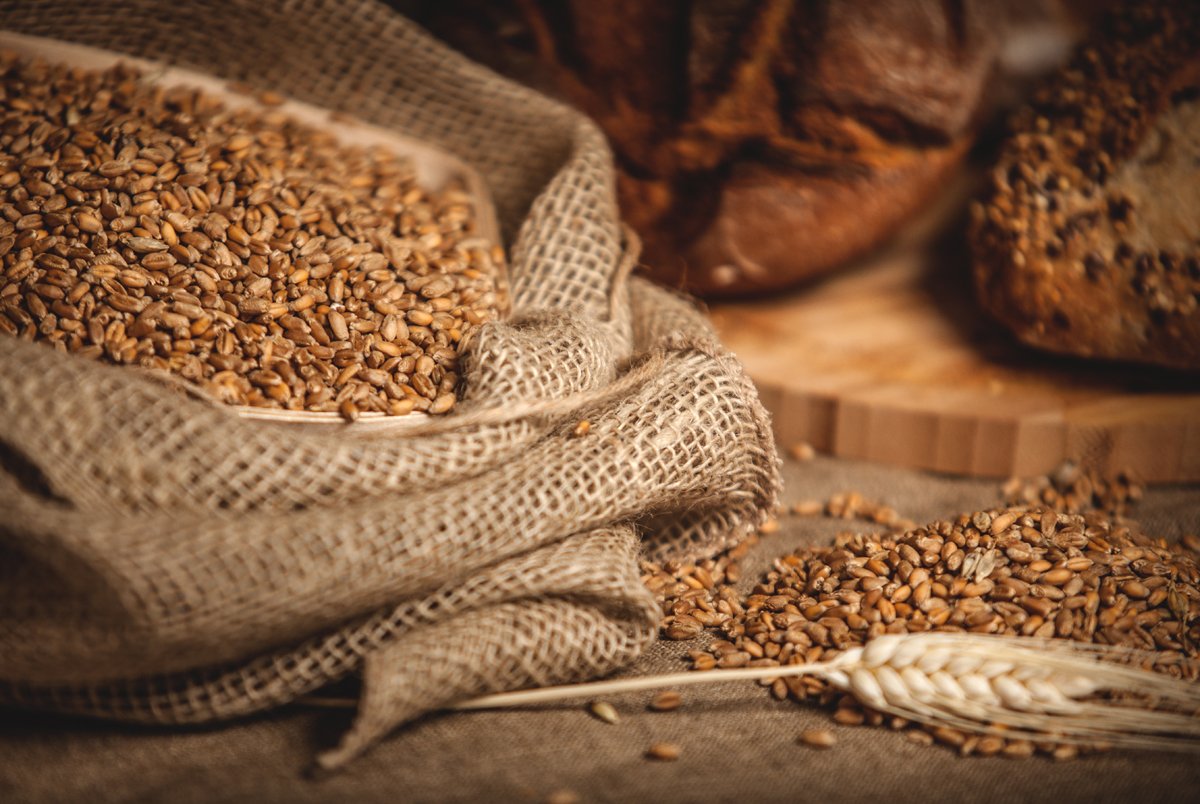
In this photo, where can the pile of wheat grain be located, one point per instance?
(251, 255)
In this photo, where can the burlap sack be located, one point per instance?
(162, 560)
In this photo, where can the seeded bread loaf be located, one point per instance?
(1087, 239)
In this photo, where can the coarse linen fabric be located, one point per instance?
(738, 743)
(164, 561)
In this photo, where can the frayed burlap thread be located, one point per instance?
(164, 560)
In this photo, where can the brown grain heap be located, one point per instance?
(1087, 238)
(235, 248)
(1074, 489)
(695, 596)
(1015, 571)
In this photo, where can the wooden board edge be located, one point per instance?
(1161, 445)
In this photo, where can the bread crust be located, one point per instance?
(775, 226)
(1087, 238)
(761, 142)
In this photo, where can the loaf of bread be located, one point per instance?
(1087, 238)
(761, 142)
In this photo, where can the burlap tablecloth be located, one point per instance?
(738, 743)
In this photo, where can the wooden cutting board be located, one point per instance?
(891, 361)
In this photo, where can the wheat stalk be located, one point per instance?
(1009, 686)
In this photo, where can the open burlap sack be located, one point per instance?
(162, 560)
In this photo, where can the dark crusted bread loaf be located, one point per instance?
(763, 141)
(1087, 239)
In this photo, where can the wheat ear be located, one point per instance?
(1009, 686)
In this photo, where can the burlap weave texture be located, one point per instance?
(163, 560)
